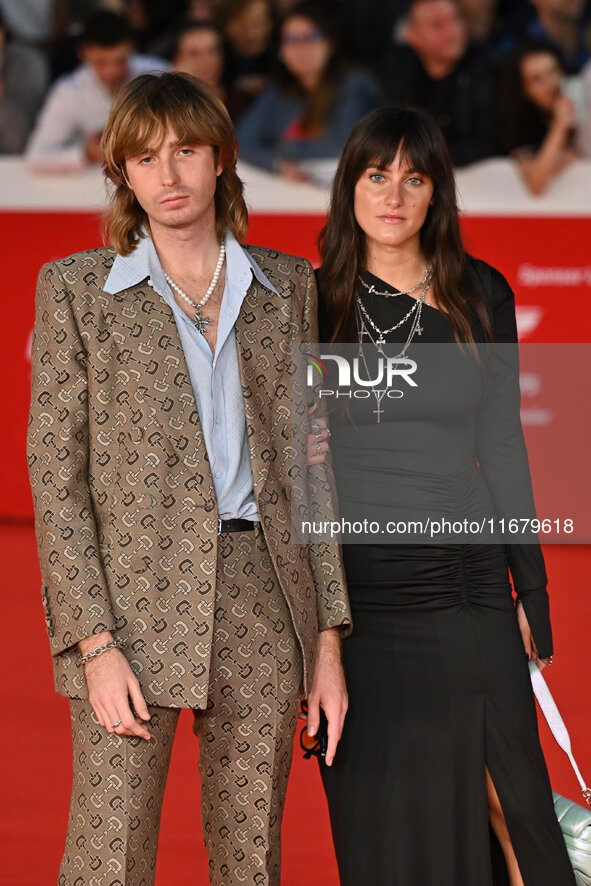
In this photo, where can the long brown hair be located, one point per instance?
(317, 102)
(521, 122)
(140, 113)
(375, 141)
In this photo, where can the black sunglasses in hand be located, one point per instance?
(314, 745)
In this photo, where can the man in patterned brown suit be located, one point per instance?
(160, 456)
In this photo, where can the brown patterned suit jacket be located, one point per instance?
(125, 507)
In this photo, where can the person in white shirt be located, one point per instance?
(24, 74)
(30, 21)
(67, 134)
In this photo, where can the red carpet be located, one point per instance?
(35, 739)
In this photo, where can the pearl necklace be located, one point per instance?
(199, 320)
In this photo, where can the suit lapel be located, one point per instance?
(144, 329)
(262, 340)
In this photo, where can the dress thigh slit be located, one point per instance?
(439, 691)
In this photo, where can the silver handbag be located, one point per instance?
(574, 819)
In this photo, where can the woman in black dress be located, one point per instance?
(440, 766)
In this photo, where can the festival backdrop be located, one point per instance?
(546, 260)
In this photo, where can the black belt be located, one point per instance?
(238, 525)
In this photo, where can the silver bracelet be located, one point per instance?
(112, 644)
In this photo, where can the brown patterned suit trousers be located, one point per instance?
(245, 746)
(126, 522)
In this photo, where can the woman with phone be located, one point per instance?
(440, 748)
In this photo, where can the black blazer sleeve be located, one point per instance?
(502, 453)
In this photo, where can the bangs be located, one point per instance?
(146, 130)
(145, 133)
(390, 132)
(151, 104)
(411, 155)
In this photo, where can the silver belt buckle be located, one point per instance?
(219, 525)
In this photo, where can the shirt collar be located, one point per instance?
(143, 263)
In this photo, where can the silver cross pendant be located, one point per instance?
(200, 322)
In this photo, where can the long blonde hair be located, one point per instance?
(140, 113)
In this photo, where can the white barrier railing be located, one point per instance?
(490, 188)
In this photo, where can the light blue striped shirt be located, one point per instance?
(215, 378)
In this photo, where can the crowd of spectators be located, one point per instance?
(502, 77)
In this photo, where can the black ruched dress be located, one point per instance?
(437, 675)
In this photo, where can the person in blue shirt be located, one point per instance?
(315, 102)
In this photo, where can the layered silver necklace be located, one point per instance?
(365, 323)
(199, 320)
(387, 294)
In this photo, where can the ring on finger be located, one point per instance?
(317, 445)
(116, 723)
